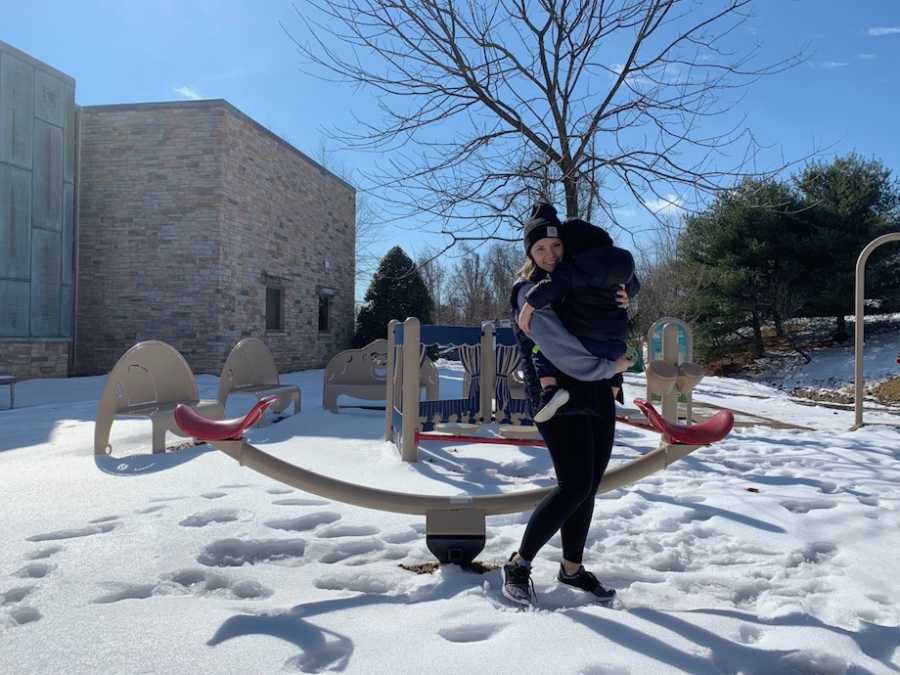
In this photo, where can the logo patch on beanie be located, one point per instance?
(551, 231)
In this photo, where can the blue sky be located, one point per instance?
(846, 97)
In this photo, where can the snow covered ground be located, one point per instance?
(775, 551)
(833, 368)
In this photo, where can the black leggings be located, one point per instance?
(580, 446)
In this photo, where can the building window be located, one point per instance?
(324, 313)
(274, 314)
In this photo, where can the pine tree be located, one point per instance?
(396, 292)
(745, 248)
(850, 202)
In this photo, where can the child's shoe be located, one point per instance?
(552, 399)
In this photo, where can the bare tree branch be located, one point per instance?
(485, 106)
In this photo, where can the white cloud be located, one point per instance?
(834, 64)
(878, 31)
(866, 57)
(187, 92)
(668, 204)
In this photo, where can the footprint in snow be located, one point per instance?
(304, 523)
(197, 582)
(151, 509)
(807, 505)
(237, 552)
(215, 516)
(43, 552)
(214, 495)
(19, 616)
(97, 528)
(15, 595)
(334, 552)
(35, 570)
(471, 633)
(347, 531)
(279, 491)
(299, 501)
(814, 553)
(604, 669)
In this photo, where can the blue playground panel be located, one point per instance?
(656, 343)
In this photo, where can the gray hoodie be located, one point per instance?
(564, 350)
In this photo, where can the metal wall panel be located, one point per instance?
(13, 309)
(49, 98)
(16, 110)
(68, 232)
(15, 222)
(45, 287)
(67, 307)
(69, 132)
(46, 210)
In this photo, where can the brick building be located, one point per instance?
(197, 226)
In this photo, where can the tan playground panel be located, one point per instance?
(250, 369)
(149, 380)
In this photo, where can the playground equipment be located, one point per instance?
(454, 525)
(671, 372)
(149, 380)
(362, 373)
(490, 356)
(250, 369)
(859, 330)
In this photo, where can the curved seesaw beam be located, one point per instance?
(454, 525)
(227, 436)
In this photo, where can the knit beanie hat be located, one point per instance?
(543, 222)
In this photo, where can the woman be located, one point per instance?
(579, 436)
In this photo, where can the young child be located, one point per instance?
(583, 289)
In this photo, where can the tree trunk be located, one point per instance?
(840, 331)
(571, 187)
(779, 323)
(757, 335)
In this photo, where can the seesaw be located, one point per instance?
(455, 524)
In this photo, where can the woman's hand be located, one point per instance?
(622, 297)
(524, 318)
(623, 363)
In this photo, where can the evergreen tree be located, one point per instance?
(396, 292)
(849, 203)
(744, 249)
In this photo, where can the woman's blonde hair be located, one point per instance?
(527, 269)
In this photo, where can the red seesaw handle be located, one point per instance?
(202, 428)
(714, 429)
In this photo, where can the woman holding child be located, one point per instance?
(571, 324)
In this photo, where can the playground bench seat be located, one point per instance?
(10, 381)
(360, 373)
(150, 380)
(250, 369)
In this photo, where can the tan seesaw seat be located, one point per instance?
(149, 380)
(250, 369)
(360, 373)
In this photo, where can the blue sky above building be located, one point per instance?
(843, 98)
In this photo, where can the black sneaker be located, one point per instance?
(517, 584)
(552, 399)
(587, 582)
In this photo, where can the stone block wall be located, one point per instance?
(188, 212)
(150, 235)
(27, 360)
(287, 224)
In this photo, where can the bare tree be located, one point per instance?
(368, 233)
(666, 284)
(485, 105)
